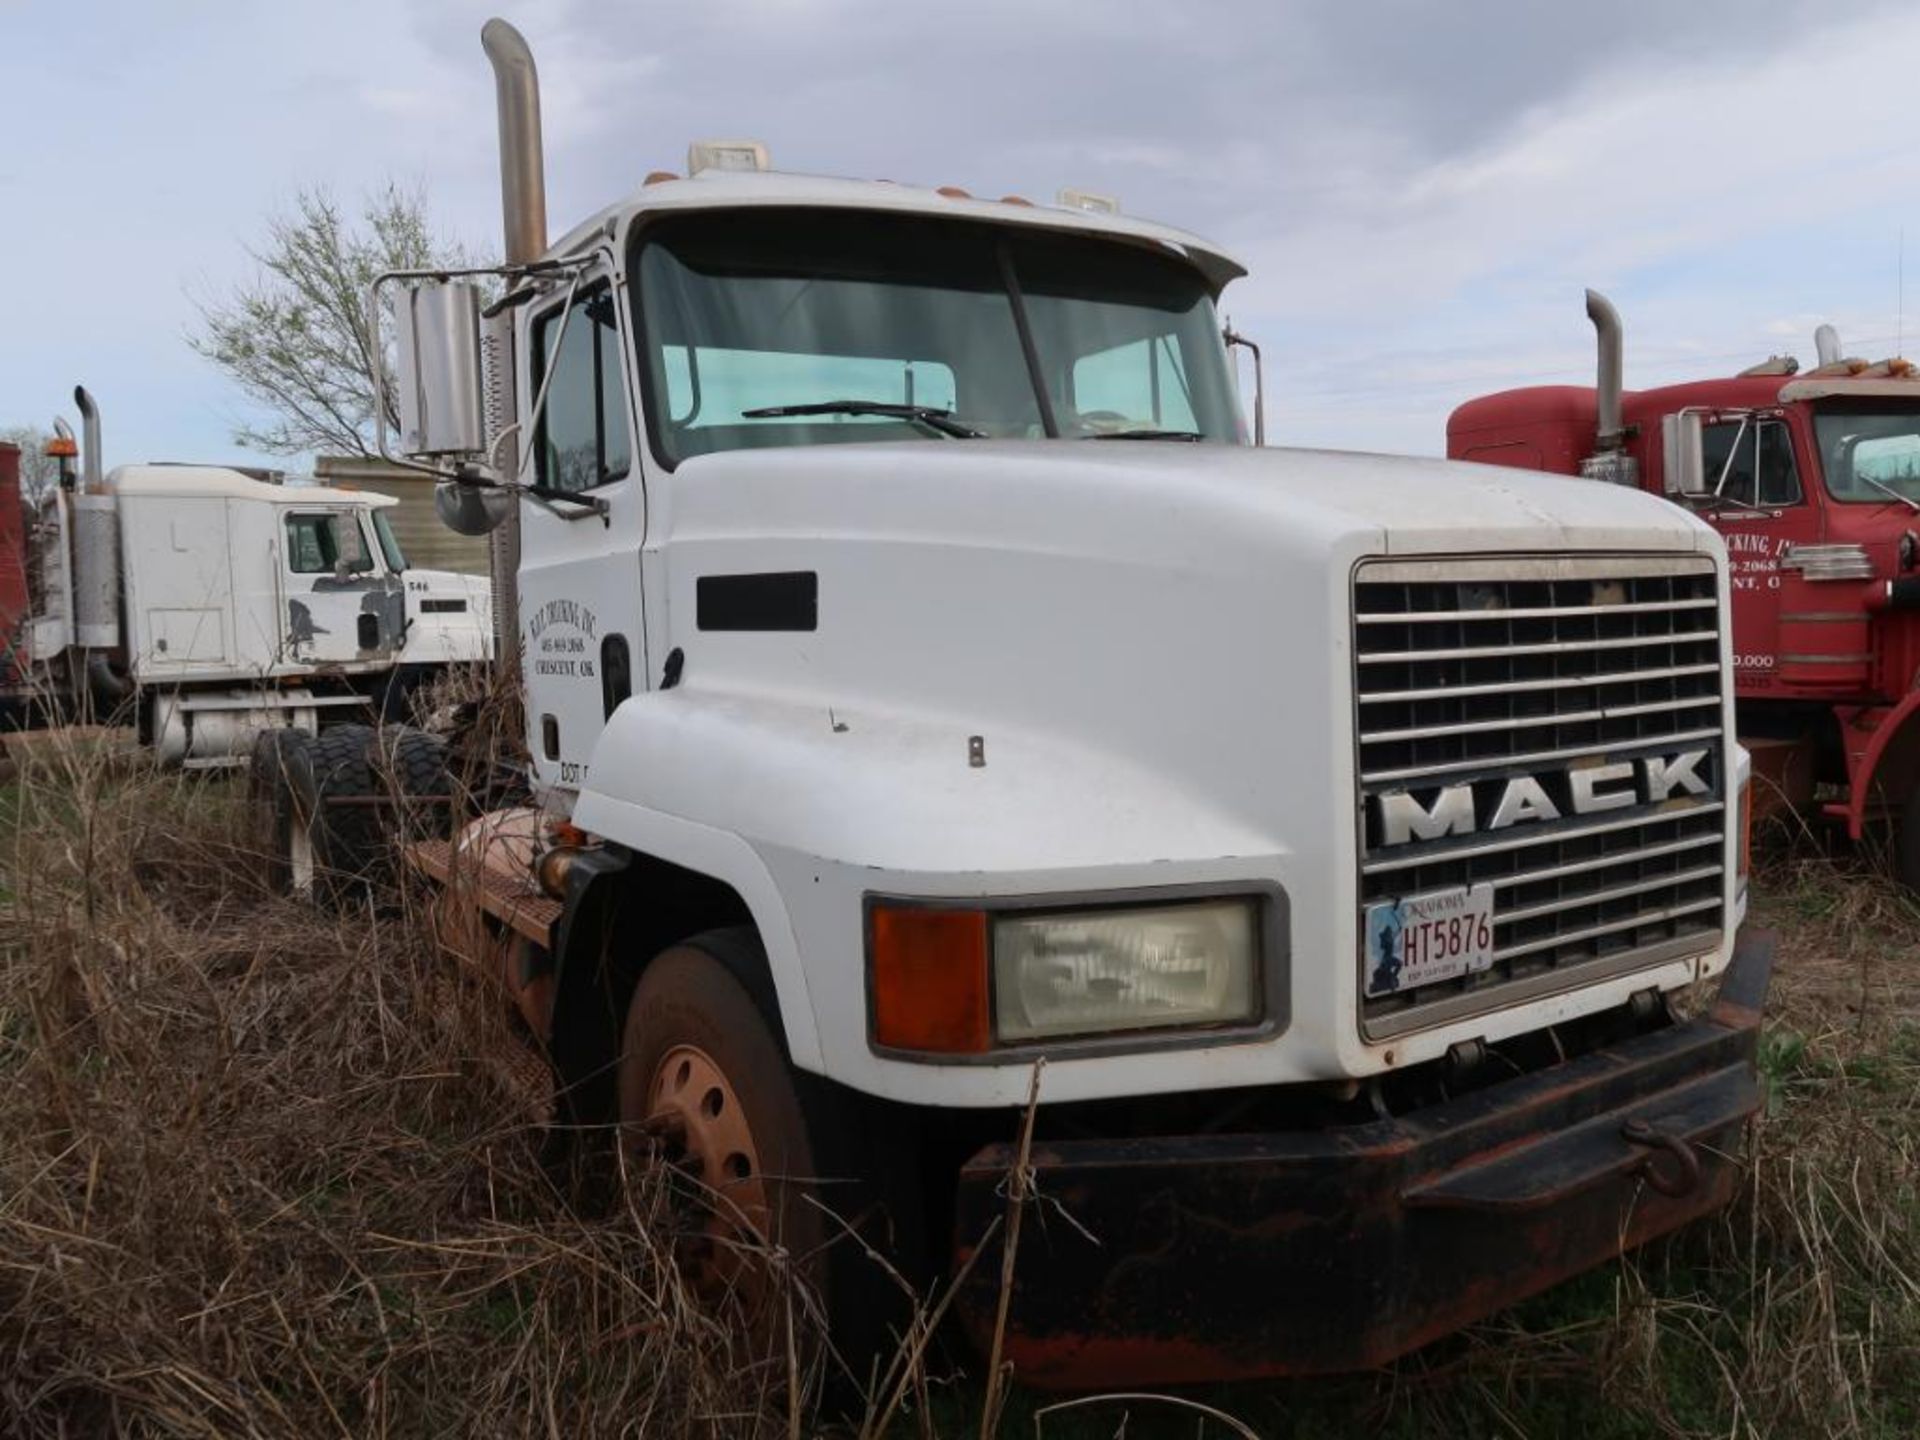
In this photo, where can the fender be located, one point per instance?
(582, 1031)
(1867, 732)
(729, 859)
(803, 810)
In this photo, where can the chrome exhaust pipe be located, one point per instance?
(523, 210)
(1610, 433)
(523, 176)
(92, 472)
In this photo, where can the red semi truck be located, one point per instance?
(1813, 480)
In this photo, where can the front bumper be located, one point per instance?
(1223, 1257)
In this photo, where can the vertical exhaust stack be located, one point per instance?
(1610, 433)
(93, 473)
(523, 208)
(523, 180)
(1826, 346)
(1610, 461)
(94, 556)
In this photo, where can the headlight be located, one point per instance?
(1101, 971)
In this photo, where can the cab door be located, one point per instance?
(340, 607)
(1750, 465)
(580, 608)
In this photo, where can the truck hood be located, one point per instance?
(451, 583)
(1170, 622)
(1171, 494)
(1085, 671)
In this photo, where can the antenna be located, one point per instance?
(1900, 323)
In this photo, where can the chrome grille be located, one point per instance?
(1480, 672)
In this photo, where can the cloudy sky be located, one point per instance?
(1419, 187)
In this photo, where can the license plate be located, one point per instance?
(1427, 938)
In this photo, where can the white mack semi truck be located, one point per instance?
(924, 679)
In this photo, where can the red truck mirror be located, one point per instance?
(1685, 469)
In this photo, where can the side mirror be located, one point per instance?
(438, 384)
(1235, 340)
(472, 509)
(1686, 466)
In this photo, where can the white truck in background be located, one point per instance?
(924, 679)
(210, 604)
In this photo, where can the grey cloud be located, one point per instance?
(1393, 169)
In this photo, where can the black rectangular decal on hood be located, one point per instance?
(778, 600)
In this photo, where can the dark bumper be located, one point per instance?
(1289, 1254)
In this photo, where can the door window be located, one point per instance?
(318, 541)
(582, 439)
(1751, 463)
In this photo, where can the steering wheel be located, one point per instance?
(1098, 420)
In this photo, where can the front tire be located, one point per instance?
(782, 1157)
(702, 1080)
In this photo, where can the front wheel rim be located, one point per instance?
(694, 1107)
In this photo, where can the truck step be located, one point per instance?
(515, 901)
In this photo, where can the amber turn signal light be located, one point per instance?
(929, 978)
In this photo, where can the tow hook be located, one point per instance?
(1683, 1179)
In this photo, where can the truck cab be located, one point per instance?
(1813, 483)
(938, 714)
(226, 574)
(212, 603)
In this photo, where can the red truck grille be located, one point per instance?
(1514, 675)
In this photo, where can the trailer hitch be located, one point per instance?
(1683, 1179)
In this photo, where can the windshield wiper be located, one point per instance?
(1145, 434)
(927, 415)
(1888, 491)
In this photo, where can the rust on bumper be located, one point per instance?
(1222, 1257)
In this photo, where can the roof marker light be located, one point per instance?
(1090, 201)
(726, 155)
(659, 177)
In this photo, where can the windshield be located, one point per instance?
(801, 310)
(389, 542)
(1865, 453)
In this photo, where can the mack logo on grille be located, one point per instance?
(1401, 816)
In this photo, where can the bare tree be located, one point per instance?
(296, 340)
(38, 470)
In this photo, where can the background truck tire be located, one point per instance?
(694, 1028)
(278, 777)
(348, 836)
(412, 767)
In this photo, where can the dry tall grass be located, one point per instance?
(1794, 1316)
(259, 1177)
(262, 1173)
